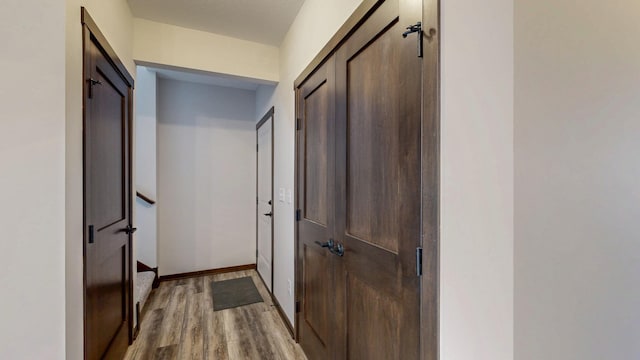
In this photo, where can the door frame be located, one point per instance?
(430, 192)
(268, 116)
(430, 166)
(91, 33)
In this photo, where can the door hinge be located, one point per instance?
(298, 215)
(297, 306)
(298, 123)
(91, 234)
(257, 146)
(417, 28)
(419, 261)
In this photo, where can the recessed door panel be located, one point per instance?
(112, 275)
(376, 319)
(377, 146)
(315, 296)
(315, 132)
(107, 170)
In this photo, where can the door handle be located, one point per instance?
(129, 229)
(337, 250)
(268, 214)
(328, 244)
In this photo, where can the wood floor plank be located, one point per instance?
(282, 340)
(166, 352)
(243, 322)
(197, 284)
(215, 340)
(174, 317)
(159, 298)
(191, 342)
(149, 337)
(180, 323)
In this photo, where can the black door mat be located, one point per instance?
(232, 293)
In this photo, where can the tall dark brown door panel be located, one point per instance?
(315, 187)
(107, 200)
(370, 172)
(378, 117)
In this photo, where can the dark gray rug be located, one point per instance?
(232, 293)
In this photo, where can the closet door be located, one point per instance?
(378, 124)
(315, 154)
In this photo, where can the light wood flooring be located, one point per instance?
(179, 323)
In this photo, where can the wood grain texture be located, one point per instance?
(314, 268)
(315, 133)
(366, 300)
(430, 339)
(376, 145)
(378, 176)
(383, 150)
(107, 105)
(315, 296)
(166, 353)
(180, 324)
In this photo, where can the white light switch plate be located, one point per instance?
(281, 195)
(290, 196)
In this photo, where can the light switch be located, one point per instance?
(290, 196)
(281, 195)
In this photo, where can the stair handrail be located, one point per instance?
(145, 198)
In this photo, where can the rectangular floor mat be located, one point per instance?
(232, 293)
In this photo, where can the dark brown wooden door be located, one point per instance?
(107, 207)
(316, 142)
(378, 117)
(359, 182)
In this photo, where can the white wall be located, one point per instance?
(315, 24)
(146, 169)
(577, 179)
(116, 22)
(476, 274)
(206, 177)
(169, 45)
(32, 181)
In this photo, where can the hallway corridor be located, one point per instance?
(179, 323)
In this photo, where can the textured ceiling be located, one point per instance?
(263, 21)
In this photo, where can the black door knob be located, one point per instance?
(129, 229)
(268, 214)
